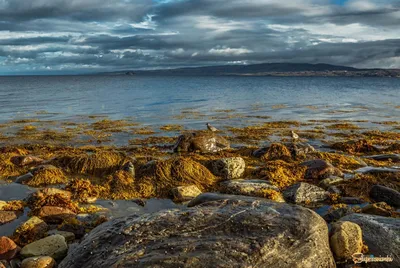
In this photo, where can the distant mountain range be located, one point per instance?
(268, 69)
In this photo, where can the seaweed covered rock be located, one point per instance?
(229, 168)
(300, 150)
(385, 194)
(219, 234)
(185, 193)
(204, 142)
(30, 231)
(352, 147)
(338, 160)
(159, 177)
(319, 169)
(305, 193)
(345, 240)
(381, 235)
(45, 175)
(83, 190)
(276, 151)
(257, 188)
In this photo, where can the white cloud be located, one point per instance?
(227, 51)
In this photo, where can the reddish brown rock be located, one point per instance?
(8, 248)
(7, 216)
(319, 169)
(52, 214)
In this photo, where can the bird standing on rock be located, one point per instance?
(211, 128)
(295, 137)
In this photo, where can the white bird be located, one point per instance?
(211, 128)
(295, 136)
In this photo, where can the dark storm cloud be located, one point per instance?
(129, 34)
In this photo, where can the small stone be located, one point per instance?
(53, 246)
(2, 204)
(305, 193)
(326, 183)
(38, 262)
(385, 194)
(320, 169)
(345, 240)
(8, 248)
(30, 231)
(185, 193)
(52, 214)
(7, 216)
(229, 168)
(380, 209)
(69, 237)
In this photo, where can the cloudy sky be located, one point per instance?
(75, 36)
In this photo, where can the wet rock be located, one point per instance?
(221, 234)
(345, 240)
(380, 209)
(24, 178)
(299, 150)
(334, 190)
(319, 169)
(338, 214)
(381, 234)
(30, 231)
(7, 216)
(257, 188)
(385, 157)
(376, 170)
(8, 249)
(276, 151)
(48, 193)
(204, 142)
(38, 262)
(185, 193)
(385, 194)
(78, 229)
(26, 160)
(53, 246)
(305, 193)
(326, 183)
(52, 214)
(69, 237)
(229, 168)
(351, 200)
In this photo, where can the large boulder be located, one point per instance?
(385, 194)
(381, 234)
(219, 234)
(205, 142)
(305, 193)
(229, 168)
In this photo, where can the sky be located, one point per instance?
(86, 36)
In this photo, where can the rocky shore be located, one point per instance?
(287, 203)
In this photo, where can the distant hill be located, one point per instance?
(267, 69)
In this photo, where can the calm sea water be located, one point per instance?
(159, 100)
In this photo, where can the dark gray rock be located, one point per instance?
(385, 194)
(381, 234)
(205, 142)
(305, 193)
(337, 214)
(24, 178)
(228, 233)
(320, 169)
(376, 170)
(385, 157)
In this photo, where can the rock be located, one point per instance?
(227, 233)
(320, 169)
(385, 194)
(276, 151)
(381, 234)
(385, 157)
(24, 178)
(380, 209)
(185, 193)
(257, 188)
(334, 190)
(69, 237)
(53, 246)
(210, 197)
(229, 168)
(2, 204)
(351, 200)
(53, 214)
(38, 262)
(3, 264)
(7, 216)
(8, 249)
(305, 193)
(376, 170)
(48, 193)
(299, 150)
(345, 240)
(26, 160)
(78, 229)
(30, 231)
(338, 214)
(326, 183)
(204, 142)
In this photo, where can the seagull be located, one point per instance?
(211, 128)
(295, 136)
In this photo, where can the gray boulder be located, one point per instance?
(257, 188)
(385, 194)
(227, 233)
(229, 168)
(305, 193)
